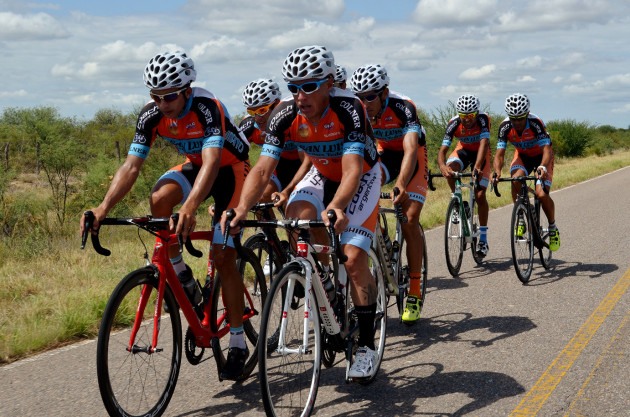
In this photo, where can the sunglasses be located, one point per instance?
(371, 97)
(522, 116)
(169, 97)
(468, 116)
(308, 88)
(261, 111)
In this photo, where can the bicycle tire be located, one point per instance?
(380, 320)
(251, 273)
(141, 383)
(544, 251)
(474, 228)
(453, 238)
(260, 246)
(522, 246)
(289, 382)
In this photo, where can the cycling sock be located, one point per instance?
(414, 285)
(237, 339)
(178, 264)
(366, 316)
(552, 226)
(483, 237)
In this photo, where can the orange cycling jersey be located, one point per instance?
(342, 130)
(397, 119)
(205, 124)
(252, 132)
(532, 140)
(468, 139)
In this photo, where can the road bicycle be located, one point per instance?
(526, 229)
(392, 254)
(272, 251)
(303, 325)
(139, 348)
(461, 226)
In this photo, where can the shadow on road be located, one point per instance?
(453, 326)
(560, 270)
(395, 393)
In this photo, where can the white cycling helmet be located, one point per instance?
(340, 74)
(260, 93)
(369, 78)
(169, 70)
(467, 103)
(516, 105)
(308, 62)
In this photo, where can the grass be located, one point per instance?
(57, 298)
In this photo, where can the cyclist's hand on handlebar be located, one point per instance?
(234, 227)
(446, 171)
(185, 225)
(401, 197)
(211, 210)
(99, 215)
(495, 177)
(342, 219)
(279, 198)
(541, 173)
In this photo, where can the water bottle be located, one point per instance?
(190, 286)
(387, 240)
(467, 208)
(329, 285)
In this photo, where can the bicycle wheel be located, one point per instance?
(288, 370)
(380, 320)
(256, 287)
(137, 382)
(453, 238)
(543, 231)
(474, 232)
(522, 242)
(270, 261)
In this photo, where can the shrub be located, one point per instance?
(570, 138)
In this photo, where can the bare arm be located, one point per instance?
(253, 189)
(352, 167)
(202, 186)
(481, 153)
(283, 195)
(124, 179)
(441, 160)
(410, 158)
(498, 162)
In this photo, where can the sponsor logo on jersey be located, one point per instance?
(172, 128)
(304, 131)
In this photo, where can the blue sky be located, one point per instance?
(569, 56)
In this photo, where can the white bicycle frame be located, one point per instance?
(312, 286)
(458, 194)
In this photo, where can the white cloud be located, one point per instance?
(29, 27)
(526, 79)
(622, 109)
(453, 12)
(311, 33)
(13, 94)
(530, 62)
(554, 15)
(478, 73)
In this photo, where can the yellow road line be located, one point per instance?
(536, 397)
(607, 352)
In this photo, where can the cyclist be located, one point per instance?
(534, 151)
(197, 124)
(402, 149)
(340, 77)
(472, 129)
(260, 97)
(329, 124)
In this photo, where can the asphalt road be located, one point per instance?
(486, 346)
